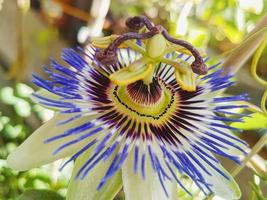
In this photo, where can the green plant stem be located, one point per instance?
(257, 147)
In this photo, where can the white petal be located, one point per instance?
(228, 135)
(137, 188)
(33, 152)
(222, 187)
(46, 94)
(86, 189)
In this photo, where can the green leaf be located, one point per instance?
(239, 55)
(40, 195)
(199, 37)
(258, 192)
(255, 121)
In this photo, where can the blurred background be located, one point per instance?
(32, 31)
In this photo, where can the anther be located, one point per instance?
(198, 66)
(108, 56)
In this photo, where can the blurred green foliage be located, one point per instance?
(40, 195)
(256, 193)
(250, 124)
(19, 118)
(200, 21)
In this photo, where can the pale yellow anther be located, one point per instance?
(186, 78)
(136, 71)
(177, 48)
(180, 49)
(177, 64)
(103, 42)
(132, 45)
(156, 46)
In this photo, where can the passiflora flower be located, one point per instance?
(139, 110)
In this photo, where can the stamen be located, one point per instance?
(109, 56)
(198, 66)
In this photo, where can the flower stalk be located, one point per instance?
(256, 149)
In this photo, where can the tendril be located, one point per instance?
(261, 81)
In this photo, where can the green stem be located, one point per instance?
(263, 102)
(255, 61)
(257, 147)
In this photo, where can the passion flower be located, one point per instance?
(138, 110)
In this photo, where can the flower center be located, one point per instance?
(147, 94)
(153, 100)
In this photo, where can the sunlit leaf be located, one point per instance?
(256, 121)
(245, 49)
(199, 37)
